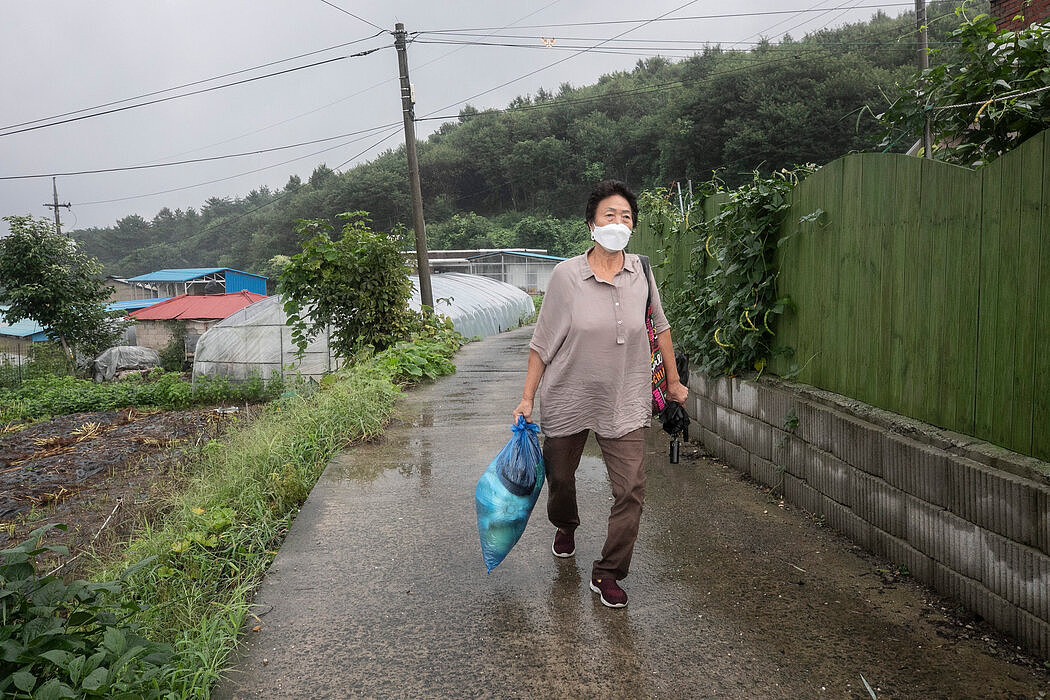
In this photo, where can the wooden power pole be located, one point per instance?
(924, 63)
(55, 206)
(426, 295)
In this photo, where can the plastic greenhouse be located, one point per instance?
(478, 306)
(257, 339)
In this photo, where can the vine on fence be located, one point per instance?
(724, 311)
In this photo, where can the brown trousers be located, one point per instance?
(625, 462)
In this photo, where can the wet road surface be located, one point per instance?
(380, 589)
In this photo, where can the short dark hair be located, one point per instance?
(607, 188)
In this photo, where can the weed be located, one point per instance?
(220, 534)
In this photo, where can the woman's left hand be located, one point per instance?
(677, 392)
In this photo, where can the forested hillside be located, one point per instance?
(518, 176)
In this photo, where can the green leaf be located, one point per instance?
(58, 657)
(114, 640)
(96, 679)
(53, 690)
(23, 680)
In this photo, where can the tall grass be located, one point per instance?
(223, 530)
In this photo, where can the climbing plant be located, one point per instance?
(989, 100)
(724, 311)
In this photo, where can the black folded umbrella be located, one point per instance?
(674, 418)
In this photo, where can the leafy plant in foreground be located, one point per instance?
(69, 640)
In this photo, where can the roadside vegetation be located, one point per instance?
(185, 580)
(160, 614)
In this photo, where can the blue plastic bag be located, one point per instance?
(507, 492)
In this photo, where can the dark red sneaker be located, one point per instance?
(564, 544)
(612, 595)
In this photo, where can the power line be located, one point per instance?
(190, 84)
(347, 12)
(288, 193)
(563, 60)
(194, 92)
(512, 24)
(682, 45)
(825, 12)
(801, 49)
(260, 151)
(359, 92)
(806, 46)
(815, 8)
(1000, 98)
(231, 177)
(663, 19)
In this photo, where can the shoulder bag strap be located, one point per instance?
(648, 283)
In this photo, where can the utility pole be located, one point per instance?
(924, 63)
(426, 295)
(55, 206)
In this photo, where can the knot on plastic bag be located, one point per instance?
(522, 425)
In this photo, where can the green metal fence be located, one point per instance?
(924, 289)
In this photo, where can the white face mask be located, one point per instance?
(612, 237)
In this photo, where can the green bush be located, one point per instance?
(173, 355)
(357, 286)
(72, 639)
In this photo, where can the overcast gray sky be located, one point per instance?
(62, 56)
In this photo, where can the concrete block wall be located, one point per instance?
(969, 519)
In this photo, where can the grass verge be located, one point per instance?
(223, 531)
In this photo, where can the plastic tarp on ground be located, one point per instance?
(257, 339)
(123, 357)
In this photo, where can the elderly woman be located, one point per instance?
(590, 361)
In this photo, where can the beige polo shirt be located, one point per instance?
(591, 336)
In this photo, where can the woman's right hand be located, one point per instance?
(524, 409)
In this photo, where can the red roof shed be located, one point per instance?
(187, 306)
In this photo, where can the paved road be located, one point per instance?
(380, 590)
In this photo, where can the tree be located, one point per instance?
(47, 279)
(357, 284)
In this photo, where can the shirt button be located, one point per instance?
(619, 323)
(617, 303)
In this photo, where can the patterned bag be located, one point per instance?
(656, 358)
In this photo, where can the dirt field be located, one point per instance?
(99, 473)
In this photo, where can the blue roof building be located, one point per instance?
(134, 304)
(202, 280)
(21, 333)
